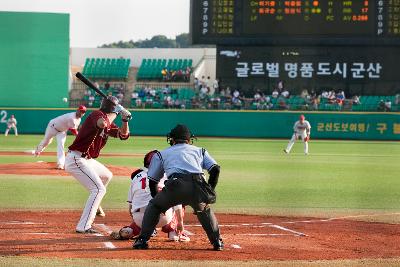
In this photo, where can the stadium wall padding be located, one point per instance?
(252, 124)
(34, 59)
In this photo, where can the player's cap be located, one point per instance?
(82, 108)
(302, 117)
(148, 157)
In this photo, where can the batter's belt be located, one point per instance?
(78, 154)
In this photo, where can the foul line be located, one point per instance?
(344, 217)
(287, 230)
(266, 234)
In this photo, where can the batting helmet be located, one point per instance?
(180, 134)
(108, 104)
(148, 157)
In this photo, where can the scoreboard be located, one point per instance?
(295, 22)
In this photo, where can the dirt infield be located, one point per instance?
(51, 234)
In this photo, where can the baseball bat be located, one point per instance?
(89, 83)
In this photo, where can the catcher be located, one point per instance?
(302, 129)
(138, 199)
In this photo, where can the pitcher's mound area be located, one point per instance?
(52, 234)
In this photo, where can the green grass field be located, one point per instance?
(338, 177)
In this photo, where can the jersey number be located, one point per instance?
(143, 180)
(3, 115)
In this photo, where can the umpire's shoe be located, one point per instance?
(218, 245)
(140, 243)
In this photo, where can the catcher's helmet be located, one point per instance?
(108, 104)
(148, 157)
(180, 134)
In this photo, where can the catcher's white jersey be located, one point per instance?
(64, 122)
(139, 191)
(302, 128)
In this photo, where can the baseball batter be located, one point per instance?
(302, 129)
(80, 161)
(138, 199)
(58, 128)
(183, 164)
(11, 123)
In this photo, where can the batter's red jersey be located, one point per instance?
(91, 139)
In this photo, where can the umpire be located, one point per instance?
(183, 163)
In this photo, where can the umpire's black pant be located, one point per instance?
(180, 190)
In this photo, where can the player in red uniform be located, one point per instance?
(80, 161)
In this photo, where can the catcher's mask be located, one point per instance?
(108, 104)
(148, 157)
(180, 134)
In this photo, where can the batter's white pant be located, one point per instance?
(8, 129)
(164, 218)
(295, 136)
(50, 133)
(95, 177)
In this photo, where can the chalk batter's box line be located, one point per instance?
(105, 228)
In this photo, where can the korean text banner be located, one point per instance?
(357, 70)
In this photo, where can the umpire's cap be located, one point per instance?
(180, 133)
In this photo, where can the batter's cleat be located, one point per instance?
(218, 245)
(36, 153)
(286, 152)
(140, 243)
(88, 231)
(100, 212)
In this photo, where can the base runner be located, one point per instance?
(138, 199)
(302, 129)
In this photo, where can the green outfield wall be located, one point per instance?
(257, 124)
(34, 59)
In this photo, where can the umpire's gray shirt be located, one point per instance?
(180, 158)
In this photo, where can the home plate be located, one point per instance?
(236, 246)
